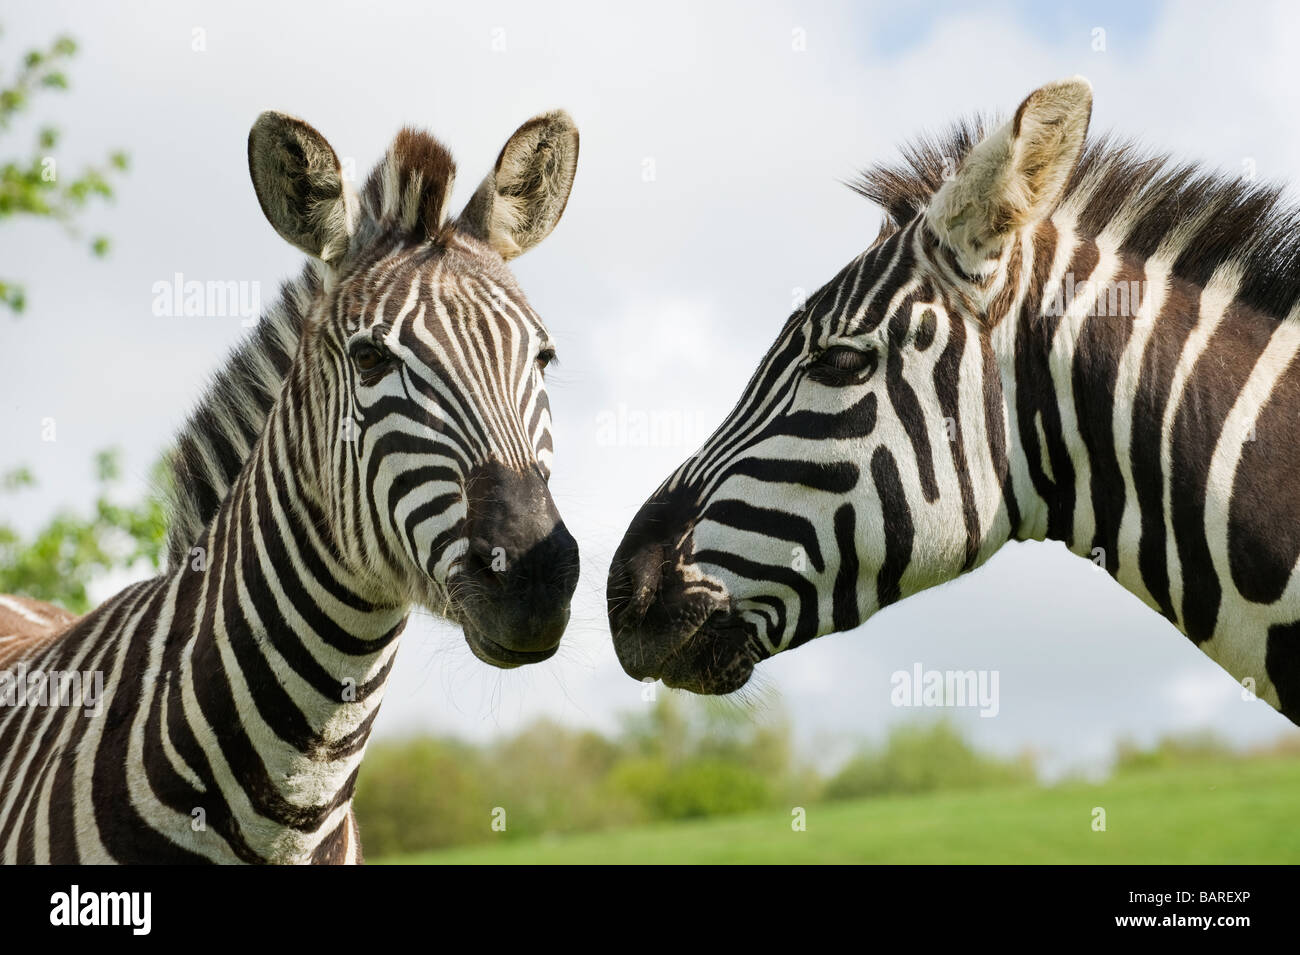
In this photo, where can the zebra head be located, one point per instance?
(867, 458)
(417, 418)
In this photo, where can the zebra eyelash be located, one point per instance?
(838, 365)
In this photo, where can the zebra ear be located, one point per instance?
(299, 184)
(1015, 177)
(524, 196)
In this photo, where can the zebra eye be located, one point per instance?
(545, 357)
(367, 356)
(840, 364)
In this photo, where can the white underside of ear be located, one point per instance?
(1015, 177)
(521, 200)
(339, 222)
(507, 219)
(964, 210)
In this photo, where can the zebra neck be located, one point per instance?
(1133, 398)
(293, 653)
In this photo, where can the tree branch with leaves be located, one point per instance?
(31, 185)
(61, 558)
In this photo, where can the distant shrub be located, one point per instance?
(548, 779)
(421, 793)
(922, 759)
(699, 787)
(712, 788)
(676, 760)
(1173, 750)
(679, 759)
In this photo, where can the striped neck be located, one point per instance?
(213, 446)
(1118, 375)
(289, 661)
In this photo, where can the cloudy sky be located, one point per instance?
(709, 190)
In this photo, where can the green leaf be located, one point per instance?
(59, 561)
(13, 296)
(108, 467)
(19, 477)
(24, 188)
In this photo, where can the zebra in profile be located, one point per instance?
(382, 441)
(1051, 338)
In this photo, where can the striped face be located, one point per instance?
(868, 457)
(418, 401)
(839, 483)
(438, 444)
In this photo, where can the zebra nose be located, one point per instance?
(544, 569)
(523, 598)
(637, 571)
(483, 554)
(521, 566)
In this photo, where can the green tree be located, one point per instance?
(31, 183)
(923, 758)
(421, 793)
(1178, 749)
(548, 778)
(62, 557)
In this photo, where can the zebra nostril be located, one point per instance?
(484, 555)
(643, 586)
(635, 585)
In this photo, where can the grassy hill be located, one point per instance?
(1229, 812)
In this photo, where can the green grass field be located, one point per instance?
(1244, 812)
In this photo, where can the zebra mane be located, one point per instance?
(211, 448)
(406, 193)
(1237, 221)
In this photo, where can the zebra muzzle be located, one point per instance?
(664, 628)
(520, 571)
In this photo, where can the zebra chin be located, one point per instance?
(509, 623)
(716, 658)
(498, 655)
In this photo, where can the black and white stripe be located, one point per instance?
(343, 466)
(985, 372)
